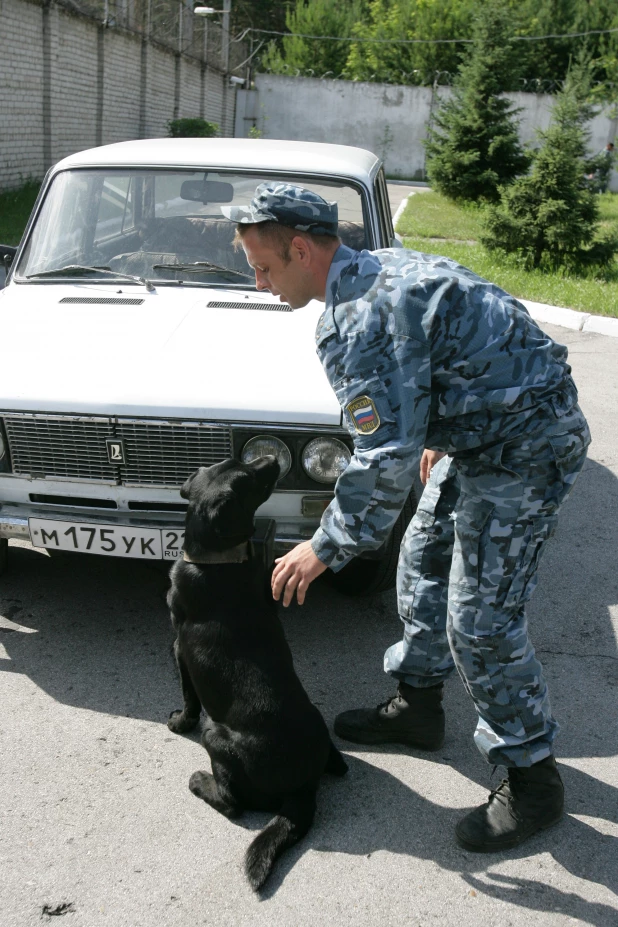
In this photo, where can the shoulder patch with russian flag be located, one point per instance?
(364, 415)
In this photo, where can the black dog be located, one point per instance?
(267, 743)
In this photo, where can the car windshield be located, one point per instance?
(165, 226)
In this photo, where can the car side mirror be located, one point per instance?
(7, 254)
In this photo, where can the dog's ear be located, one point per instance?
(229, 518)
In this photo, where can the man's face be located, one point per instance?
(293, 281)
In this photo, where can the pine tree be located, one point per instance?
(473, 146)
(549, 218)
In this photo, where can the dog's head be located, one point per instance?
(223, 500)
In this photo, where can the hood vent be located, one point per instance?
(266, 307)
(102, 300)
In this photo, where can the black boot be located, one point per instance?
(413, 717)
(531, 799)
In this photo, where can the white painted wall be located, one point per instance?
(389, 120)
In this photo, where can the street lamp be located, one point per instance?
(225, 26)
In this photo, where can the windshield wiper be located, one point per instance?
(75, 270)
(202, 267)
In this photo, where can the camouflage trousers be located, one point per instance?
(467, 568)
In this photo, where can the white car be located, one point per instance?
(136, 348)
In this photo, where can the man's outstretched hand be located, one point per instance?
(295, 572)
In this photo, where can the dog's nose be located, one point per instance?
(266, 462)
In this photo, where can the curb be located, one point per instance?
(540, 312)
(569, 318)
(400, 209)
(408, 183)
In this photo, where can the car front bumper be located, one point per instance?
(14, 522)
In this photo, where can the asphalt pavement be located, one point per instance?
(97, 825)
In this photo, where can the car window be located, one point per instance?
(384, 207)
(167, 225)
(115, 214)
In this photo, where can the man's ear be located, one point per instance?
(303, 250)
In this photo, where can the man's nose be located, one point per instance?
(260, 281)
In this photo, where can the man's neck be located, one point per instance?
(326, 256)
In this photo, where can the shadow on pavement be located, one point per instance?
(95, 633)
(373, 811)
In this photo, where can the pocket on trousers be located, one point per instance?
(471, 525)
(570, 454)
(522, 579)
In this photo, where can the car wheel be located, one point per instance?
(369, 576)
(4, 555)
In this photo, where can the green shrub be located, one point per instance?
(193, 127)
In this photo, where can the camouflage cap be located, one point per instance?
(289, 205)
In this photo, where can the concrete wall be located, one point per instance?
(389, 120)
(68, 83)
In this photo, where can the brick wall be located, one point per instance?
(159, 91)
(121, 83)
(73, 82)
(68, 84)
(21, 100)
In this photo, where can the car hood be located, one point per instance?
(173, 356)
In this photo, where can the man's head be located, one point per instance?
(289, 235)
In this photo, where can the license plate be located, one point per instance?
(108, 540)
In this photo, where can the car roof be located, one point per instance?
(231, 153)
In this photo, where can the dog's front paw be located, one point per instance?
(180, 723)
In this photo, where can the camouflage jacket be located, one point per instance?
(422, 352)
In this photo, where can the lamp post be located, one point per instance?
(225, 27)
(225, 43)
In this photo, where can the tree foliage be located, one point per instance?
(258, 14)
(318, 17)
(541, 65)
(473, 145)
(549, 217)
(415, 63)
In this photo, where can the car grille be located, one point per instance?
(74, 447)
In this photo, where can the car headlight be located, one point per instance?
(263, 445)
(325, 459)
(4, 457)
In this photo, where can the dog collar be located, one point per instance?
(238, 554)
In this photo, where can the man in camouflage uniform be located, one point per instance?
(424, 354)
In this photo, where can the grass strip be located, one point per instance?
(432, 224)
(15, 208)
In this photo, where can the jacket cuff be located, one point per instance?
(327, 552)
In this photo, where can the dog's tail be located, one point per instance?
(290, 825)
